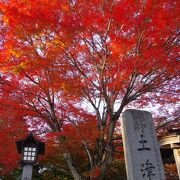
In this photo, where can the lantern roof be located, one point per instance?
(30, 140)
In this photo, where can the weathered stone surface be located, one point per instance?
(142, 153)
(27, 172)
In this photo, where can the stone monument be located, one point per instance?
(141, 148)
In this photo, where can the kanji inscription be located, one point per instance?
(147, 170)
(141, 148)
(143, 142)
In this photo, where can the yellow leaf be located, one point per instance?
(5, 19)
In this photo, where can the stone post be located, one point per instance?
(27, 172)
(141, 148)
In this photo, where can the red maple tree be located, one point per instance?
(68, 55)
(12, 127)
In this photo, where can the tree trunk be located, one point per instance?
(73, 169)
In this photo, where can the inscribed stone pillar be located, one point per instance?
(141, 148)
